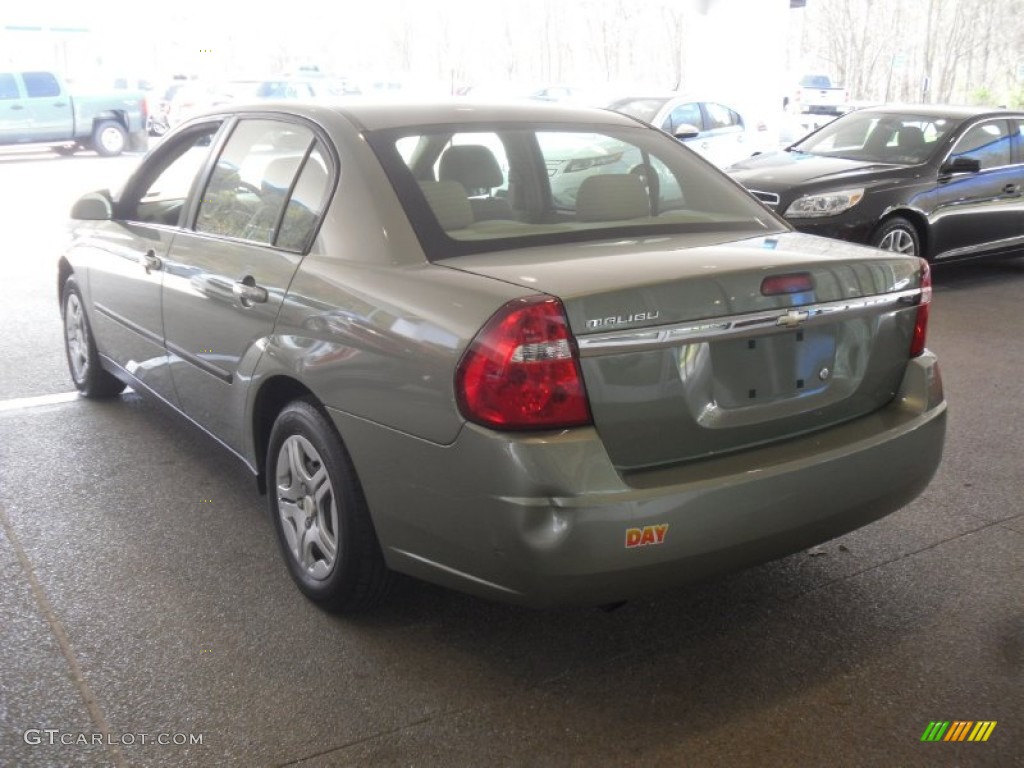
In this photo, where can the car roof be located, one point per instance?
(382, 113)
(378, 115)
(685, 98)
(938, 110)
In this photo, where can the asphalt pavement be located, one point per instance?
(146, 618)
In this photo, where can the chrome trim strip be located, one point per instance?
(134, 327)
(204, 365)
(737, 326)
(982, 248)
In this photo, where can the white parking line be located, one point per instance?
(18, 403)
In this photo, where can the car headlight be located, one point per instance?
(825, 204)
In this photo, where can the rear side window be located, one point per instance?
(40, 85)
(8, 87)
(269, 186)
(684, 114)
(722, 117)
(306, 203)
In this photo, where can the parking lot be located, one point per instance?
(147, 618)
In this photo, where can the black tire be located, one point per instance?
(899, 235)
(88, 374)
(317, 505)
(109, 138)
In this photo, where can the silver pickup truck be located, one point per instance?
(36, 108)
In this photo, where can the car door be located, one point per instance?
(676, 115)
(724, 140)
(50, 107)
(970, 211)
(125, 267)
(14, 116)
(225, 278)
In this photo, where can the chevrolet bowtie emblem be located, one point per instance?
(792, 318)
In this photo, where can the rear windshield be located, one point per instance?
(472, 189)
(642, 109)
(816, 81)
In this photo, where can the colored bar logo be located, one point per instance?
(958, 730)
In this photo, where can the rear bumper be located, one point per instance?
(821, 109)
(546, 519)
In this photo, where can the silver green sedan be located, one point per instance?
(540, 354)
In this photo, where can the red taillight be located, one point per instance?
(798, 282)
(522, 372)
(923, 307)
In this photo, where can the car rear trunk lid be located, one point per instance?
(691, 350)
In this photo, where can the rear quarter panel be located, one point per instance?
(369, 325)
(125, 107)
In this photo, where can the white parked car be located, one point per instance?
(714, 130)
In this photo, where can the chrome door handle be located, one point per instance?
(150, 261)
(248, 293)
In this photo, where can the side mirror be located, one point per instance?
(94, 206)
(686, 131)
(960, 165)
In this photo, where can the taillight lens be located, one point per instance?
(522, 370)
(797, 282)
(923, 307)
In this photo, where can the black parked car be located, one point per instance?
(935, 181)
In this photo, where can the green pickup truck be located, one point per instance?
(36, 108)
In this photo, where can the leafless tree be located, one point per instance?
(919, 50)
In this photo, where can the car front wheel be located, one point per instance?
(899, 235)
(87, 373)
(321, 518)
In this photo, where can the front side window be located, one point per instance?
(40, 85)
(160, 196)
(253, 179)
(471, 191)
(8, 87)
(988, 143)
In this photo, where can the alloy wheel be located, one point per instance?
(900, 241)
